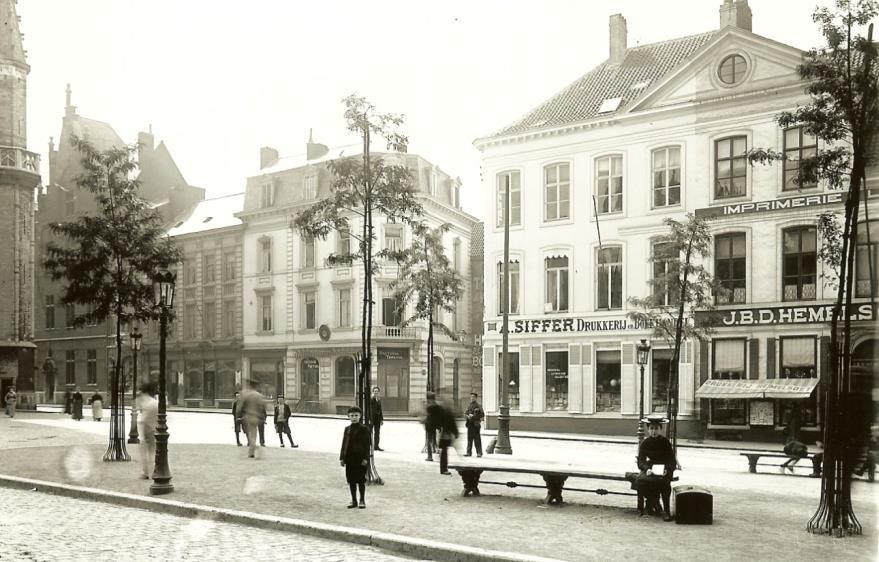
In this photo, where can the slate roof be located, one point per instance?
(10, 35)
(211, 214)
(642, 67)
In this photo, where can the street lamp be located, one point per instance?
(643, 355)
(135, 340)
(163, 285)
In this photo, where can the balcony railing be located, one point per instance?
(394, 332)
(19, 158)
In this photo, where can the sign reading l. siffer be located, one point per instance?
(806, 314)
(772, 205)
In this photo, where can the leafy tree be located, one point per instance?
(841, 81)
(427, 278)
(107, 259)
(680, 287)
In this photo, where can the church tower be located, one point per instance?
(19, 177)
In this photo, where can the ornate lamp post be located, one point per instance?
(643, 355)
(135, 348)
(163, 284)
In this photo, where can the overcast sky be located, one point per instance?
(217, 79)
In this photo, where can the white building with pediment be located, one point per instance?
(660, 130)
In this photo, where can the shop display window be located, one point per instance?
(556, 380)
(729, 364)
(798, 361)
(607, 381)
(513, 385)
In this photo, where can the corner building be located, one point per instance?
(301, 318)
(660, 130)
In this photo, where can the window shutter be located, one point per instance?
(770, 358)
(703, 362)
(628, 354)
(525, 355)
(574, 354)
(587, 353)
(754, 354)
(488, 358)
(535, 355)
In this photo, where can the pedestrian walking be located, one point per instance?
(254, 416)
(147, 419)
(282, 421)
(448, 433)
(655, 451)
(97, 402)
(432, 420)
(68, 402)
(11, 400)
(77, 404)
(237, 416)
(376, 417)
(354, 456)
(473, 417)
(793, 447)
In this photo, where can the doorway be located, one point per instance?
(309, 388)
(659, 373)
(393, 378)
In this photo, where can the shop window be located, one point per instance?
(609, 276)
(798, 146)
(91, 366)
(514, 287)
(729, 364)
(513, 382)
(70, 367)
(511, 179)
(867, 260)
(556, 192)
(729, 267)
(798, 361)
(660, 379)
(666, 288)
(556, 284)
(226, 379)
(799, 263)
(666, 176)
(730, 167)
(607, 381)
(556, 380)
(609, 184)
(345, 377)
(264, 374)
(194, 384)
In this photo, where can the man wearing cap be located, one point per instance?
(654, 451)
(473, 420)
(282, 421)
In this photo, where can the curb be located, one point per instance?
(426, 549)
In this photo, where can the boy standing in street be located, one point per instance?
(473, 421)
(354, 456)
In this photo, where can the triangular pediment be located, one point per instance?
(769, 65)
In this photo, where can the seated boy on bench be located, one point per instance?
(655, 450)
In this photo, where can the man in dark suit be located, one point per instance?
(376, 417)
(473, 420)
(654, 452)
(237, 415)
(354, 456)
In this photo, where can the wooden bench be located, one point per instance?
(554, 477)
(754, 457)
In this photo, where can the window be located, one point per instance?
(309, 310)
(732, 69)
(92, 366)
(70, 367)
(343, 242)
(229, 267)
(609, 276)
(190, 271)
(228, 319)
(50, 312)
(659, 380)
(556, 284)
(798, 146)
(666, 176)
(867, 260)
(513, 181)
(513, 384)
(666, 288)
(728, 364)
(556, 380)
(190, 315)
(390, 317)
(265, 255)
(607, 381)
(514, 287)
(556, 192)
(393, 238)
(209, 269)
(210, 320)
(90, 313)
(799, 263)
(729, 267)
(730, 167)
(267, 195)
(265, 313)
(308, 253)
(609, 184)
(69, 315)
(345, 377)
(344, 308)
(310, 187)
(798, 361)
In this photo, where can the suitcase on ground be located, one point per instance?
(693, 505)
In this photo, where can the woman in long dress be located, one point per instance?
(97, 402)
(77, 405)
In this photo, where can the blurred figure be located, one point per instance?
(254, 416)
(376, 417)
(441, 418)
(148, 417)
(354, 456)
(236, 416)
(282, 421)
(77, 404)
(68, 402)
(473, 422)
(11, 399)
(432, 420)
(97, 402)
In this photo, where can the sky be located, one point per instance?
(218, 79)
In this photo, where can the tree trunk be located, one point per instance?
(116, 450)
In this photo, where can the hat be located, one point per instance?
(657, 419)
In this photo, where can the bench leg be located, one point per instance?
(470, 477)
(554, 486)
(752, 463)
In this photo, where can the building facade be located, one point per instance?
(19, 177)
(656, 131)
(302, 317)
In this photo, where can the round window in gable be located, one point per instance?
(732, 69)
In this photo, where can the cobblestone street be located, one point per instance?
(43, 527)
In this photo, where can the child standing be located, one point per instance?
(354, 456)
(282, 421)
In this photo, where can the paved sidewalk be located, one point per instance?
(419, 503)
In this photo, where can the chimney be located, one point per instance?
(146, 143)
(618, 39)
(267, 156)
(69, 109)
(314, 149)
(736, 13)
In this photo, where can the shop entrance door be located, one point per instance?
(210, 392)
(309, 388)
(659, 380)
(393, 378)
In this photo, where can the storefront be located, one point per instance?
(392, 376)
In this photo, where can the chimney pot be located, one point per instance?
(735, 13)
(618, 38)
(314, 149)
(267, 156)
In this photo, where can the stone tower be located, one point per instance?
(19, 176)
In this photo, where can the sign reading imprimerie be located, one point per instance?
(806, 314)
(773, 205)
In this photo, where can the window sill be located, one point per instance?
(717, 202)
(677, 208)
(500, 229)
(556, 222)
(306, 331)
(264, 333)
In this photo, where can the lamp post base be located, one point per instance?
(133, 437)
(503, 447)
(640, 432)
(162, 472)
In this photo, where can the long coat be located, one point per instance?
(97, 402)
(77, 406)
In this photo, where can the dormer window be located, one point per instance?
(732, 69)
(267, 195)
(310, 187)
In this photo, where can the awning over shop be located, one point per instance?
(794, 389)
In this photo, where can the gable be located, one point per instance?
(769, 65)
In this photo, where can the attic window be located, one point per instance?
(207, 219)
(610, 105)
(732, 69)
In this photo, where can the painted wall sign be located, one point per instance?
(807, 314)
(560, 325)
(773, 205)
(393, 354)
